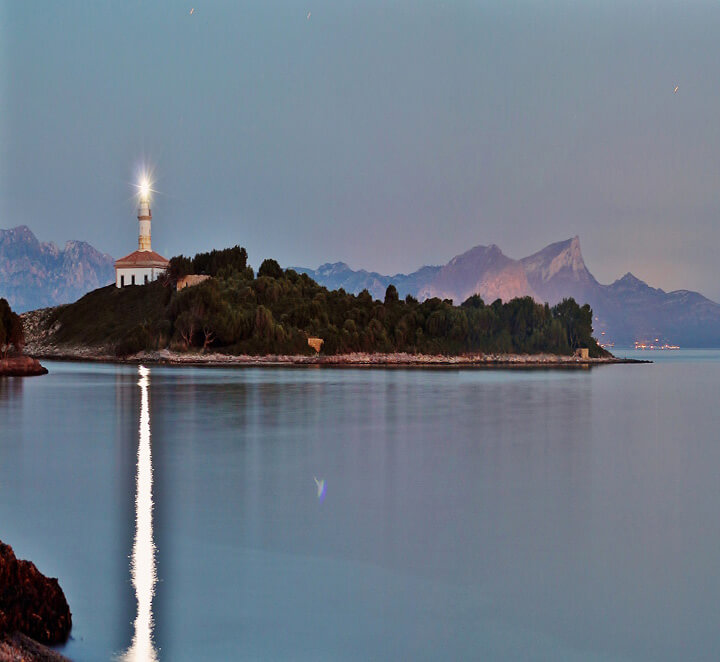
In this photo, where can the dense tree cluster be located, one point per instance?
(11, 330)
(218, 263)
(275, 312)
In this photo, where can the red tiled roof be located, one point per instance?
(142, 259)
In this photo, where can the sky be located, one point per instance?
(388, 135)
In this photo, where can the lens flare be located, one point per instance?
(144, 188)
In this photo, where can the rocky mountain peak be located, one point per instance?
(630, 279)
(631, 282)
(483, 270)
(35, 274)
(562, 256)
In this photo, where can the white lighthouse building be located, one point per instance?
(144, 265)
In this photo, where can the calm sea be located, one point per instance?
(403, 514)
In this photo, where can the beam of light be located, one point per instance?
(142, 566)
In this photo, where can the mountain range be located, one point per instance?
(625, 311)
(36, 274)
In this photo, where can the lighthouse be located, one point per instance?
(143, 265)
(144, 217)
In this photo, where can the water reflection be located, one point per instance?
(142, 567)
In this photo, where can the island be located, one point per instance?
(214, 308)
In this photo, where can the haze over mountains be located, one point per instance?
(625, 311)
(35, 274)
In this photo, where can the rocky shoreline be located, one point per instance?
(33, 611)
(167, 357)
(21, 366)
(16, 647)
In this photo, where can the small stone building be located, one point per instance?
(190, 280)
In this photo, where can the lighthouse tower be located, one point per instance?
(144, 219)
(144, 265)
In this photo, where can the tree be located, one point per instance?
(391, 294)
(264, 323)
(186, 326)
(208, 338)
(571, 317)
(178, 267)
(270, 268)
(475, 301)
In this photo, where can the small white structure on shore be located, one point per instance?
(143, 265)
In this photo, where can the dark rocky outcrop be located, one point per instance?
(21, 366)
(31, 603)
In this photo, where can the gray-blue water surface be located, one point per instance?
(467, 514)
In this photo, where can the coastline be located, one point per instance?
(355, 360)
(39, 345)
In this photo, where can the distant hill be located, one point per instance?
(36, 274)
(625, 311)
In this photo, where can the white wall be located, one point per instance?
(152, 274)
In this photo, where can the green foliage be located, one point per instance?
(276, 313)
(271, 269)
(577, 322)
(137, 339)
(391, 294)
(109, 315)
(11, 330)
(215, 263)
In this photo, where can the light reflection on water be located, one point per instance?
(142, 566)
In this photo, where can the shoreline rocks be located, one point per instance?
(17, 647)
(21, 366)
(167, 357)
(31, 603)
